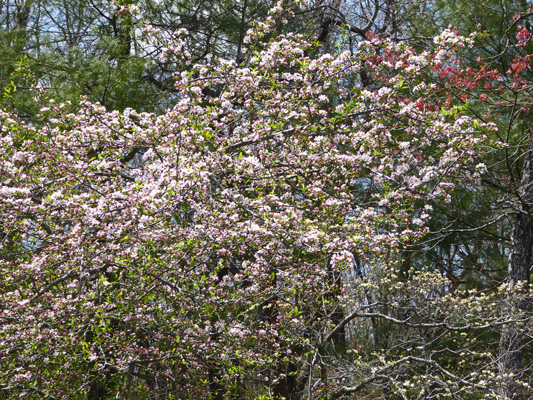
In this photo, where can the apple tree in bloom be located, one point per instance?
(210, 251)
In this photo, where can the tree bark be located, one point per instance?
(512, 340)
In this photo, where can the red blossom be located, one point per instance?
(522, 35)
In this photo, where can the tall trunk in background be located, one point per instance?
(242, 32)
(512, 340)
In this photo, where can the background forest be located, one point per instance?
(255, 199)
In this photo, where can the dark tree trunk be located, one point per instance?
(512, 339)
(97, 391)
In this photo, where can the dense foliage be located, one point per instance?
(265, 237)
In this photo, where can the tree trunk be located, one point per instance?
(512, 339)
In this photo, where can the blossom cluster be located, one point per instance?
(180, 246)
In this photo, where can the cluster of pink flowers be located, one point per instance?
(179, 244)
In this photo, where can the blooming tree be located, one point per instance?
(211, 251)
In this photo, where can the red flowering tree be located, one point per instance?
(211, 251)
